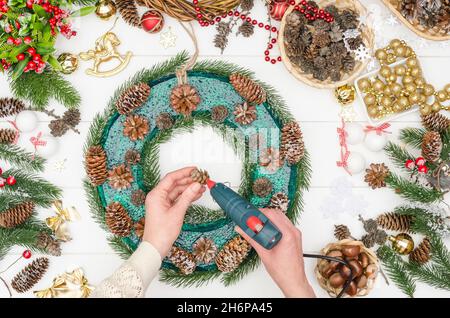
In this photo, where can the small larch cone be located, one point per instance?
(183, 260)
(200, 176)
(136, 127)
(204, 250)
(164, 121)
(279, 201)
(436, 122)
(245, 114)
(95, 161)
(232, 254)
(251, 91)
(292, 147)
(133, 98)
(120, 177)
(30, 275)
(395, 222)
(262, 187)
(129, 12)
(376, 175)
(49, 244)
(118, 220)
(341, 232)
(72, 117)
(16, 215)
(184, 99)
(7, 136)
(10, 106)
(431, 146)
(422, 253)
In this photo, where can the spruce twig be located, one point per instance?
(51, 113)
(412, 136)
(16, 156)
(412, 191)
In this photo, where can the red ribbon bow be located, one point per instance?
(378, 129)
(344, 149)
(37, 142)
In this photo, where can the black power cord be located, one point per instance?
(338, 260)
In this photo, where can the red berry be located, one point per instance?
(27, 40)
(243, 16)
(230, 13)
(266, 52)
(279, 59)
(218, 19)
(409, 164)
(422, 169)
(273, 61)
(270, 46)
(236, 13)
(11, 180)
(10, 40)
(26, 254)
(254, 22)
(20, 57)
(2, 182)
(273, 40)
(17, 25)
(31, 65)
(195, 1)
(420, 161)
(36, 57)
(274, 29)
(260, 24)
(18, 41)
(31, 51)
(267, 27)
(267, 59)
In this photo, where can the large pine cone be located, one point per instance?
(422, 253)
(120, 177)
(16, 215)
(135, 127)
(7, 136)
(232, 254)
(436, 122)
(118, 220)
(95, 161)
(10, 106)
(184, 99)
(129, 12)
(431, 146)
(182, 259)
(200, 176)
(395, 222)
(244, 113)
(376, 175)
(30, 275)
(133, 98)
(248, 89)
(292, 147)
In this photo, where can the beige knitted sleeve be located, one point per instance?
(133, 277)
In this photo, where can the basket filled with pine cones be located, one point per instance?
(322, 43)
(429, 19)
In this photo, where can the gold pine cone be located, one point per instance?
(200, 176)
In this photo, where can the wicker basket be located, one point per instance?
(324, 283)
(366, 33)
(434, 34)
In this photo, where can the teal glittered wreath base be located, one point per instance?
(211, 80)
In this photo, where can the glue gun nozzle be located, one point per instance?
(210, 183)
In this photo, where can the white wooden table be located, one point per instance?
(315, 109)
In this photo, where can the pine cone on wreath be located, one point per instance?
(58, 127)
(279, 201)
(431, 146)
(135, 127)
(133, 98)
(251, 91)
(10, 106)
(16, 215)
(184, 99)
(118, 220)
(139, 227)
(164, 121)
(232, 254)
(129, 12)
(219, 113)
(262, 187)
(422, 253)
(49, 244)
(30, 275)
(138, 197)
(95, 160)
(7, 136)
(245, 114)
(132, 157)
(292, 147)
(120, 177)
(183, 260)
(342, 232)
(246, 29)
(200, 176)
(72, 117)
(270, 159)
(376, 175)
(204, 250)
(436, 122)
(395, 222)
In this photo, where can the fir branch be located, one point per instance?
(248, 265)
(430, 274)
(120, 247)
(18, 157)
(396, 270)
(197, 214)
(412, 191)
(398, 155)
(304, 172)
(95, 204)
(412, 136)
(196, 279)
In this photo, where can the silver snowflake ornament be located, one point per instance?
(362, 53)
(351, 34)
(168, 38)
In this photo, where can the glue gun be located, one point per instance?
(252, 221)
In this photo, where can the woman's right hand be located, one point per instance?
(284, 262)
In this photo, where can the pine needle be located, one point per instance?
(412, 191)
(16, 156)
(412, 136)
(398, 155)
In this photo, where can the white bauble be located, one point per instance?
(355, 133)
(51, 147)
(375, 142)
(26, 121)
(355, 163)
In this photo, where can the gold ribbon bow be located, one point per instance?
(57, 223)
(77, 277)
(59, 286)
(67, 285)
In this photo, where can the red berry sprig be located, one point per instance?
(10, 180)
(418, 164)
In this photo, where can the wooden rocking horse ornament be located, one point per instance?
(105, 50)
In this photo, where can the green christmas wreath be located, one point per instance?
(122, 161)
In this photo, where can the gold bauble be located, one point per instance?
(402, 243)
(436, 107)
(425, 109)
(105, 9)
(447, 89)
(396, 88)
(420, 82)
(385, 71)
(345, 94)
(428, 89)
(378, 85)
(410, 88)
(390, 58)
(392, 78)
(441, 96)
(407, 79)
(414, 98)
(397, 108)
(68, 62)
(400, 51)
(412, 62)
(408, 51)
(403, 102)
(395, 43)
(386, 101)
(387, 90)
(400, 70)
(380, 54)
(364, 84)
(415, 71)
(370, 99)
(373, 112)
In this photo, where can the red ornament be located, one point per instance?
(422, 169)
(26, 254)
(152, 21)
(11, 180)
(278, 9)
(409, 164)
(420, 161)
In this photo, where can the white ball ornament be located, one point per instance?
(355, 133)
(50, 148)
(355, 163)
(26, 121)
(375, 142)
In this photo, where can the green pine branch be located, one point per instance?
(398, 155)
(197, 214)
(412, 191)
(16, 156)
(412, 136)
(120, 247)
(430, 274)
(95, 204)
(196, 279)
(304, 173)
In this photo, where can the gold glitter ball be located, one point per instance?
(68, 62)
(345, 94)
(105, 9)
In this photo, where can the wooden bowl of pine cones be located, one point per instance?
(309, 60)
(332, 276)
(430, 20)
